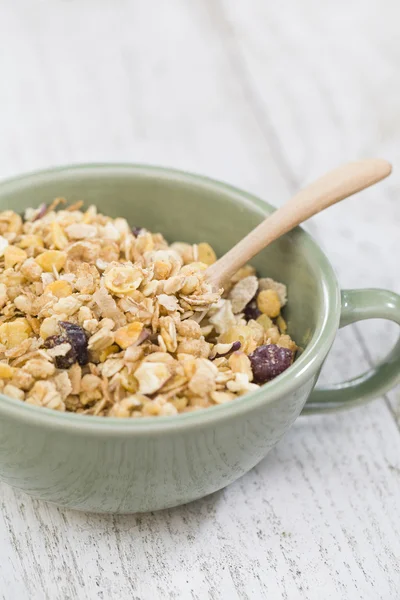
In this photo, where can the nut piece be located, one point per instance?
(152, 376)
(268, 302)
(224, 319)
(222, 397)
(203, 381)
(80, 231)
(49, 327)
(31, 270)
(239, 362)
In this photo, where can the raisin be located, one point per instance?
(269, 361)
(76, 336)
(65, 362)
(61, 362)
(251, 310)
(136, 230)
(54, 340)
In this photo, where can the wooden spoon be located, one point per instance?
(329, 189)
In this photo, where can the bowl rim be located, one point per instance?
(305, 366)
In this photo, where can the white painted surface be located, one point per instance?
(266, 96)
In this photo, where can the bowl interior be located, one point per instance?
(187, 208)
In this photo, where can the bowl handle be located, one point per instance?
(358, 305)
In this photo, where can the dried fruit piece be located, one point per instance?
(241, 333)
(252, 311)
(269, 361)
(281, 323)
(58, 236)
(6, 372)
(10, 222)
(31, 241)
(77, 338)
(104, 354)
(59, 288)
(268, 302)
(51, 258)
(64, 361)
(12, 334)
(265, 321)
(206, 254)
(266, 283)
(129, 334)
(13, 256)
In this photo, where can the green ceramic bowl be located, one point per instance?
(120, 465)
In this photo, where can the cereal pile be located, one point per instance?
(101, 319)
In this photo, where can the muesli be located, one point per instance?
(100, 318)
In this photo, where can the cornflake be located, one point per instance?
(101, 319)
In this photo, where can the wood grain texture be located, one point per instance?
(266, 96)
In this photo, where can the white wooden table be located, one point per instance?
(265, 95)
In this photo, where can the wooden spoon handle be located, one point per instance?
(322, 193)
